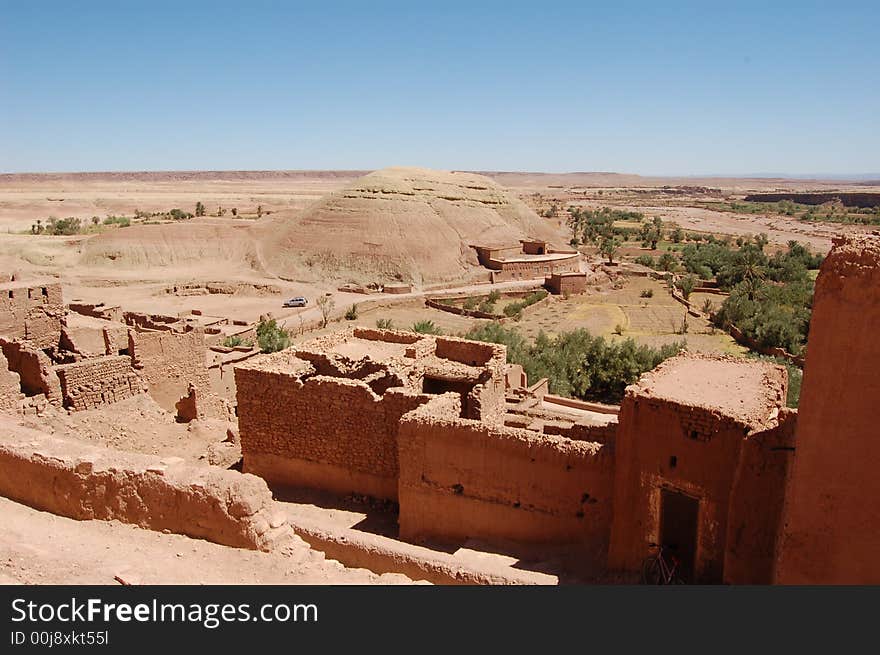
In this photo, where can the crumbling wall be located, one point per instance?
(33, 312)
(168, 362)
(10, 386)
(84, 481)
(462, 479)
(98, 381)
(321, 432)
(756, 500)
(34, 369)
(832, 512)
(602, 434)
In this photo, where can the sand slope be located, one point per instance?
(405, 223)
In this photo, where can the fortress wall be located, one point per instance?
(84, 481)
(168, 362)
(831, 533)
(756, 501)
(327, 433)
(462, 479)
(98, 381)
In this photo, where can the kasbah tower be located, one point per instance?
(831, 514)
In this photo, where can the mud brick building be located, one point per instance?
(326, 414)
(702, 452)
(561, 284)
(530, 259)
(32, 310)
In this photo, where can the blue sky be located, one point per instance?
(653, 88)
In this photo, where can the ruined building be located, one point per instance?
(703, 456)
(51, 357)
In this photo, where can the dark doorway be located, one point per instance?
(436, 386)
(678, 529)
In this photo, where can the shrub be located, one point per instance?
(271, 337)
(121, 221)
(647, 293)
(63, 226)
(385, 324)
(667, 262)
(487, 307)
(351, 313)
(326, 305)
(426, 327)
(235, 341)
(686, 285)
(576, 363)
(645, 260)
(494, 296)
(470, 303)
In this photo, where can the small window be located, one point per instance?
(673, 462)
(11, 295)
(45, 291)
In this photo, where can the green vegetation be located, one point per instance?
(514, 309)
(351, 313)
(646, 293)
(272, 337)
(200, 209)
(426, 327)
(832, 212)
(470, 303)
(234, 341)
(686, 285)
(770, 297)
(385, 324)
(651, 233)
(325, 304)
(121, 221)
(645, 260)
(667, 262)
(578, 364)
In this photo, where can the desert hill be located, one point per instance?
(405, 223)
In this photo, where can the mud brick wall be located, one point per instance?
(566, 284)
(603, 434)
(756, 502)
(168, 362)
(321, 432)
(34, 369)
(84, 481)
(34, 313)
(10, 386)
(706, 448)
(832, 511)
(462, 479)
(535, 269)
(99, 381)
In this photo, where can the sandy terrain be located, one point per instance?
(41, 548)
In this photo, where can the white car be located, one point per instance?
(299, 301)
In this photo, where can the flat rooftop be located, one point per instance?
(551, 257)
(749, 391)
